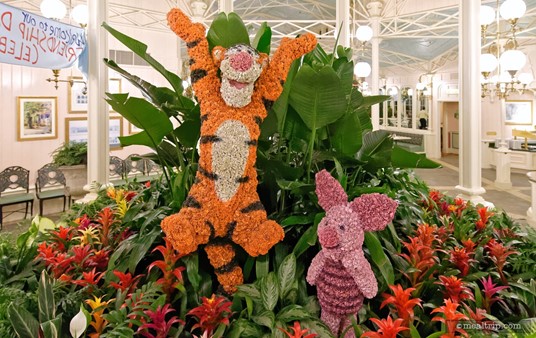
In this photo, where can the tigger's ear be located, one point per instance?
(263, 60)
(218, 53)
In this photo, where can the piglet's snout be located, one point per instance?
(241, 61)
(328, 237)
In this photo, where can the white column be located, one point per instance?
(375, 8)
(225, 6)
(98, 142)
(502, 155)
(343, 22)
(470, 186)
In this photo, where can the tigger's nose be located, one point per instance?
(241, 61)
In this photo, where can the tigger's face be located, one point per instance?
(240, 67)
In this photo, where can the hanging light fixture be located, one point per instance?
(56, 10)
(362, 69)
(503, 61)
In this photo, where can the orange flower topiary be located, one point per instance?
(223, 208)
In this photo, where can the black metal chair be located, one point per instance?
(51, 184)
(117, 171)
(135, 168)
(14, 189)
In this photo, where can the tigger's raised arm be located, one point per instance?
(289, 50)
(203, 71)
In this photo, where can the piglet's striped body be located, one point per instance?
(337, 291)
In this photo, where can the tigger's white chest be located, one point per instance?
(229, 157)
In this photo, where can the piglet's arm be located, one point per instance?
(360, 270)
(315, 268)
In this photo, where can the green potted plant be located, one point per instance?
(71, 157)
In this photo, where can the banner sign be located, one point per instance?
(31, 40)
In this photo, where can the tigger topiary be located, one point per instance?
(222, 208)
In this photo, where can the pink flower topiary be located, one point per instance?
(341, 273)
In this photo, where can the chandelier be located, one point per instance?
(362, 69)
(502, 62)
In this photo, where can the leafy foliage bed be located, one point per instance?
(440, 263)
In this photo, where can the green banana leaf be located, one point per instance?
(226, 31)
(402, 158)
(140, 49)
(263, 38)
(317, 96)
(141, 113)
(376, 149)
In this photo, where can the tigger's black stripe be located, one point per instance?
(252, 142)
(191, 62)
(197, 74)
(191, 202)
(258, 120)
(203, 118)
(207, 174)
(226, 268)
(197, 180)
(212, 230)
(210, 139)
(193, 44)
(243, 179)
(267, 103)
(282, 82)
(230, 229)
(253, 207)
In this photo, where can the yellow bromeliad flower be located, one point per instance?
(97, 309)
(89, 235)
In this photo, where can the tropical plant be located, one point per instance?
(70, 153)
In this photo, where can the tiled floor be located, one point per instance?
(515, 201)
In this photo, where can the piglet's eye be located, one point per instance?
(341, 227)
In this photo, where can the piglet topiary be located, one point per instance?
(342, 275)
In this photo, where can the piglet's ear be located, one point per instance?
(374, 210)
(329, 191)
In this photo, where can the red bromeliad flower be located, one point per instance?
(106, 220)
(126, 282)
(89, 278)
(498, 254)
(387, 328)
(489, 293)
(148, 184)
(478, 316)
(402, 301)
(458, 206)
(172, 275)
(469, 246)
(451, 317)
(99, 259)
(83, 222)
(60, 264)
(455, 289)
(426, 234)
(129, 195)
(484, 218)
(158, 323)
(212, 312)
(462, 259)
(81, 253)
(297, 331)
(435, 196)
(61, 237)
(420, 257)
(46, 253)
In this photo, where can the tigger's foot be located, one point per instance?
(185, 232)
(222, 258)
(258, 240)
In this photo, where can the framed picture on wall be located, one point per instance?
(76, 130)
(132, 129)
(77, 94)
(37, 118)
(518, 112)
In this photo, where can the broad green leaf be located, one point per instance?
(226, 31)
(265, 318)
(344, 52)
(379, 258)
(248, 290)
(318, 96)
(372, 100)
(281, 105)
(346, 134)
(52, 328)
(292, 312)
(345, 71)
(140, 49)
(192, 270)
(413, 331)
(188, 133)
(309, 237)
(317, 57)
(293, 220)
(262, 266)
(142, 114)
(376, 149)
(318, 327)
(286, 274)
(263, 38)
(402, 158)
(46, 303)
(269, 291)
(22, 321)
